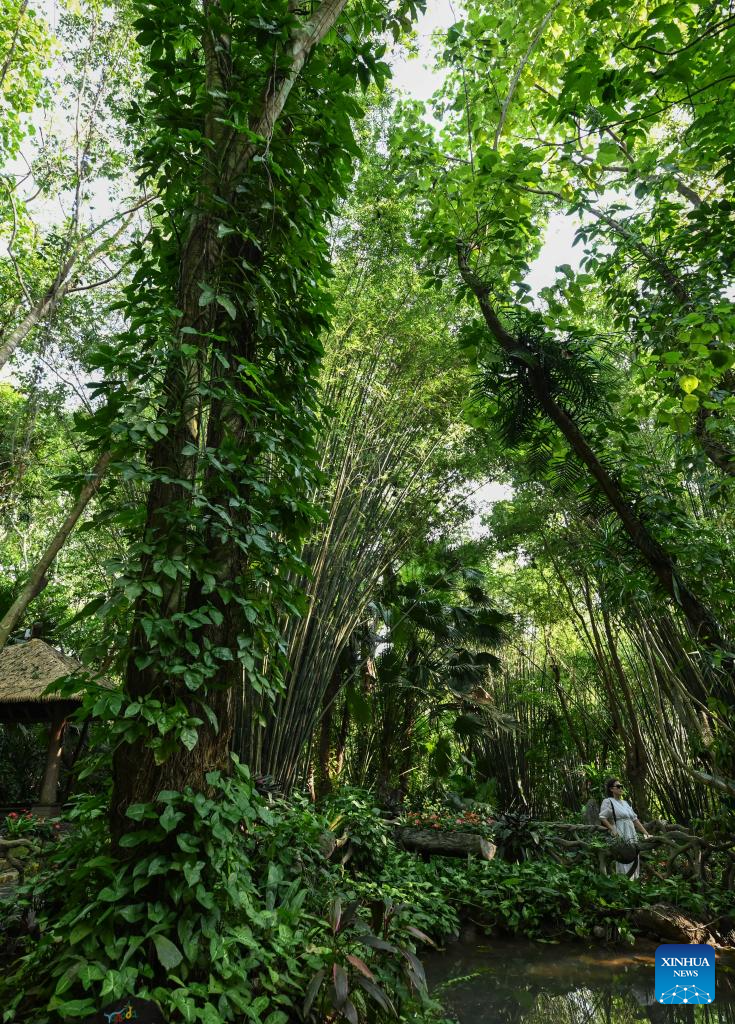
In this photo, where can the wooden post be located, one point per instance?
(50, 783)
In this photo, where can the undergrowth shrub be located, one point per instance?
(353, 811)
(229, 920)
(237, 914)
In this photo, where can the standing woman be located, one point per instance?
(620, 819)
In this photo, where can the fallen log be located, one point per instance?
(666, 922)
(445, 844)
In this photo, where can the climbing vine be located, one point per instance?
(207, 402)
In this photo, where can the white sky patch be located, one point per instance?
(417, 75)
(481, 502)
(557, 249)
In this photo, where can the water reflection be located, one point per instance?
(586, 1006)
(524, 983)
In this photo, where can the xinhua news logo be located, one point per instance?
(685, 974)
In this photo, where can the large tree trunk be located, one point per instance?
(137, 777)
(447, 844)
(204, 259)
(669, 924)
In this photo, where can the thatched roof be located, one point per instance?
(27, 669)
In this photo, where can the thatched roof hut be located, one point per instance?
(26, 671)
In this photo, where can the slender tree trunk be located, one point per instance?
(701, 621)
(408, 721)
(50, 784)
(636, 764)
(564, 704)
(59, 288)
(362, 741)
(48, 302)
(324, 745)
(386, 746)
(13, 44)
(34, 584)
(340, 745)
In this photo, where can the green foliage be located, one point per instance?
(354, 812)
(544, 900)
(227, 422)
(447, 819)
(22, 756)
(518, 838)
(232, 911)
(28, 825)
(40, 475)
(25, 46)
(355, 991)
(443, 627)
(188, 913)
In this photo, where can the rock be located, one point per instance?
(599, 932)
(8, 877)
(327, 843)
(591, 813)
(469, 933)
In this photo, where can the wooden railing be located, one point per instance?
(671, 849)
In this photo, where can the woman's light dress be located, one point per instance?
(626, 829)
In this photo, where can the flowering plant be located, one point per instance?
(25, 823)
(448, 820)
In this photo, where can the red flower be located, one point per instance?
(12, 815)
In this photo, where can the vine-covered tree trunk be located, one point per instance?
(195, 631)
(138, 778)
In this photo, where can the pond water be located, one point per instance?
(495, 981)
